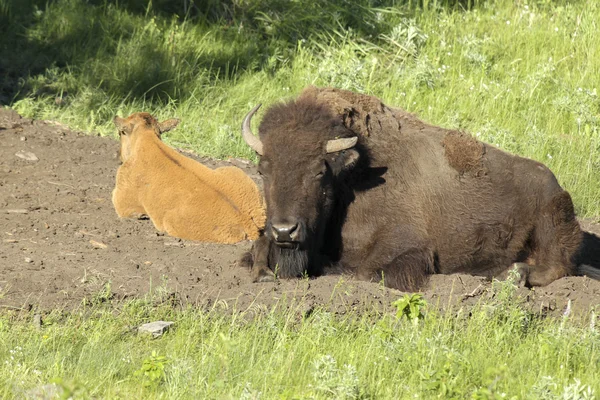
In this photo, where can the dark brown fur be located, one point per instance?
(409, 200)
(464, 153)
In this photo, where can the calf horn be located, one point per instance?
(340, 144)
(252, 141)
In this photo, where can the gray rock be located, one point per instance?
(156, 328)
(16, 211)
(37, 321)
(45, 392)
(26, 155)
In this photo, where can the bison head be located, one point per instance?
(131, 127)
(304, 151)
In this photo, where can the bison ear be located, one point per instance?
(344, 160)
(119, 122)
(122, 126)
(168, 125)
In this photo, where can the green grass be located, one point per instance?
(521, 75)
(497, 350)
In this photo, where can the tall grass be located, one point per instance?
(521, 75)
(496, 350)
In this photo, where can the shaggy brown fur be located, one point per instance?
(464, 153)
(181, 196)
(408, 200)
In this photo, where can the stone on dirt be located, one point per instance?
(16, 211)
(98, 245)
(156, 328)
(37, 321)
(26, 155)
(45, 392)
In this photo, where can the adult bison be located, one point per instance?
(352, 183)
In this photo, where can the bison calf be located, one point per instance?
(181, 196)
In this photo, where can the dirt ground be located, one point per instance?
(62, 243)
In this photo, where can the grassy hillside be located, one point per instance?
(520, 74)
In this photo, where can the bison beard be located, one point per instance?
(289, 263)
(301, 260)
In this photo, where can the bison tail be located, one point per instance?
(589, 271)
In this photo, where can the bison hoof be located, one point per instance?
(264, 275)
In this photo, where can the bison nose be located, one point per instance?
(285, 232)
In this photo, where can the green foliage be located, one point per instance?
(547, 389)
(443, 382)
(152, 370)
(94, 353)
(104, 295)
(410, 306)
(334, 382)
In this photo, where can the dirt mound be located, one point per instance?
(62, 242)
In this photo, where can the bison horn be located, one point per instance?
(252, 141)
(340, 144)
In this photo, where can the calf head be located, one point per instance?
(304, 152)
(137, 125)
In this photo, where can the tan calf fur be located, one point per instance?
(181, 196)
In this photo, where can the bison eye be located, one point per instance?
(319, 175)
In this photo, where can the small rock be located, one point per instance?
(49, 391)
(28, 260)
(23, 138)
(37, 321)
(156, 328)
(26, 155)
(16, 211)
(98, 245)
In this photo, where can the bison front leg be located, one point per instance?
(127, 204)
(257, 259)
(408, 271)
(401, 258)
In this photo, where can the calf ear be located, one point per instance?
(168, 125)
(119, 123)
(123, 126)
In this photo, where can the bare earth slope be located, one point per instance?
(62, 242)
